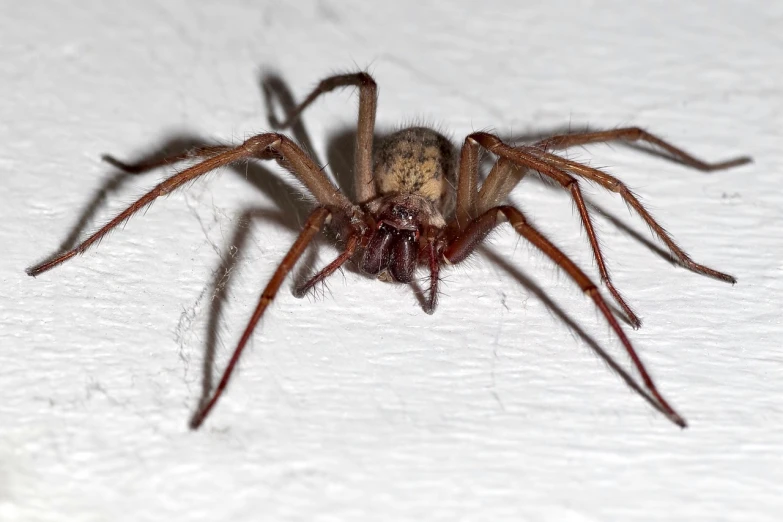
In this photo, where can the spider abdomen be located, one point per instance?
(417, 161)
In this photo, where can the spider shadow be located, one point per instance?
(564, 318)
(340, 146)
(219, 286)
(261, 178)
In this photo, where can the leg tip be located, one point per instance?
(730, 164)
(37, 270)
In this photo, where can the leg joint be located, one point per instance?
(260, 143)
(635, 133)
(366, 80)
(486, 140)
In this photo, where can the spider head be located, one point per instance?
(392, 251)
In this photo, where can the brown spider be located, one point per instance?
(406, 211)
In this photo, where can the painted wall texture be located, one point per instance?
(353, 404)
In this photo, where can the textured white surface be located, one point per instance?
(358, 406)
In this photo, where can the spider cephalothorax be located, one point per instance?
(407, 212)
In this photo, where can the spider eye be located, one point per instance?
(401, 212)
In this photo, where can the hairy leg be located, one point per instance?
(311, 227)
(345, 255)
(260, 146)
(467, 182)
(521, 158)
(564, 141)
(615, 185)
(465, 242)
(368, 101)
(433, 263)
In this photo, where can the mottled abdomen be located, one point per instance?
(418, 161)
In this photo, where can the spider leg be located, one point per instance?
(145, 165)
(615, 185)
(467, 183)
(465, 242)
(261, 146)
(368, 101)
(345, 255)
(520, 157)
(433, 263)
(311, 227)
(473, 201)
(501, 180)
(636, 134)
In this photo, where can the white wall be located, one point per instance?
(356, 405)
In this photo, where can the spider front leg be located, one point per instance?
(262, 146)
(312, 226)
(517, 157)
(464, 242)
(565, 141)
(615, 185)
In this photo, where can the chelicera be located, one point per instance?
(418, 203)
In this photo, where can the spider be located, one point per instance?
(407, 212)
